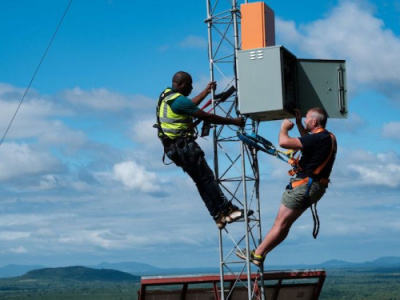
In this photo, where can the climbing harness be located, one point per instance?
(177, 131)
(172, 124)
(309, 180)
(172, 131)
(259, 143)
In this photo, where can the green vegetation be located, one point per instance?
(77, 283)
(361, 284)
(14, 289)
(340, 284)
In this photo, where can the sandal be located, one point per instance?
(256, 259)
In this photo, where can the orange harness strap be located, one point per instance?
(295, 161)
(334, 149)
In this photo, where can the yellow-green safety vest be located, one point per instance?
(173, 125)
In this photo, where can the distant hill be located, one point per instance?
(146, 269)
(12, 270)
(142, 269)
(389, 261)
(79, 273)
(383, 262)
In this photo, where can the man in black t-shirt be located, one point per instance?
(318, 148)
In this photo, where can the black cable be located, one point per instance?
(36, 71)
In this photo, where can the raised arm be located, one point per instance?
(200, 97)
(299, 124)
(285, 141)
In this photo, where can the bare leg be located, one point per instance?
(279, 231)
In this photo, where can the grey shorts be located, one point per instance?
(294, 198)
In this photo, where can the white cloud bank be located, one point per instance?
(353, 33)
(23, 159)
(102, 99)
(381, 169)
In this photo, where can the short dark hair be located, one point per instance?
(180, 77)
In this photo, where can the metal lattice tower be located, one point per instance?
(235, 165)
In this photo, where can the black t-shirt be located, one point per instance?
(316, 149)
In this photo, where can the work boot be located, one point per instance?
(234, 213)
(220, 221)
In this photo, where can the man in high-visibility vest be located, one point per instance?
(318, 148)
(176, 130)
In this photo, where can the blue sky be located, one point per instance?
(81, 176)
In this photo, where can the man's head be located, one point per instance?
(316, 118)
(182, 82)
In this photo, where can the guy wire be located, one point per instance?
(36, 71)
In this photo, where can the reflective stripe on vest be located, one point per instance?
(173, 125)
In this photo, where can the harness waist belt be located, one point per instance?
(305, 180)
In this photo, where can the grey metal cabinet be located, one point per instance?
(272, 82)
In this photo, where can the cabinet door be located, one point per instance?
(322, 83)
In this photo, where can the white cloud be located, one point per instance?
(378, 174)
(96, 238)
(31, 120)
(9, 235)
(353, 123)
(43, 233)
(192, 41)
(381, 169)
(8, 91)
(391, 130)
(60, 135)
(287, 31)
(102, 99)
(39, 117)
(48, 182)
(24, 159)
(350, 32)
(145, 134)
(135, 176)
(19, 250)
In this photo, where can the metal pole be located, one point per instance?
(246, 228)
(211, 70)
(257, 189)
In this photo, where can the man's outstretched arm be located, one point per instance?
(215, 119)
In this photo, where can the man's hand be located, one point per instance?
(298, 116)
(215, 119)
(239, 121)
(287, 125)
(299, 124)
(211, 86)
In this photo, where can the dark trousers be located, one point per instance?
(188, 155)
